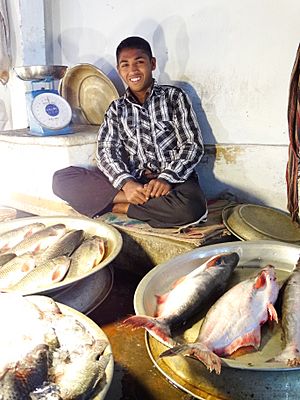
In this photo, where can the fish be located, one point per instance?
(18, 380)
(44, 275)
(79, 375)
(234, 321)
(290, 355)
(12, 237)
(39, 240)
(46, 354)
(64, 246)
(190, 295)
(79, 362)
(4, 258)
(86, 256)
(16, 269)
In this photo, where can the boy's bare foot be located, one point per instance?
(120, 208)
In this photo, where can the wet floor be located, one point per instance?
(135, 376)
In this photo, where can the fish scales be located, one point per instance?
(4, 258)
(291, 320)
(44, 275)
(15, 270)
(86, 256)
(40, 240)
(12, 237)
(19, 380)
(234, 321)
(64, 246)
(190, 295)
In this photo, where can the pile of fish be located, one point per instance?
(34, 256)
(234, 319)
(46, 354)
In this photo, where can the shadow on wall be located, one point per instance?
(211, 185)
(74, 55)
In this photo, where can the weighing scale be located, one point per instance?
(48, 113)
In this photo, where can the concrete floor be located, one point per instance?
(135, 376)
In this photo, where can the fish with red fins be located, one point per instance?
(188, 296)
(234, 321)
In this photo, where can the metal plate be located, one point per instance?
(113, 244)
(98, 334)
(254, 255)
(88, 91)
(253, 222)
(270, 222)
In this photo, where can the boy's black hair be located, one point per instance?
(134, 42)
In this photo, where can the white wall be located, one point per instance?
(233, 57)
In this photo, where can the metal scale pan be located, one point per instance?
(244, 376)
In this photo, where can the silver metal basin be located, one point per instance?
(40, 72)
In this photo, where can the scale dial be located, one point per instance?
(51, 110)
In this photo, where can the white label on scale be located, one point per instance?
(51, 110)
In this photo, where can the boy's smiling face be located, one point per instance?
(135, 67)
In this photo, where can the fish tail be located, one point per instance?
(289, 356)
(198, 351)
(154, 325)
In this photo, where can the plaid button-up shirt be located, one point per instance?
(162, 136)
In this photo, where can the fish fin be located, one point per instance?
(60, 272)
(160, 300)
(289, 356)
(272, 312)
(251, 339)
(199, 351)
(260, 281)
(157, 328)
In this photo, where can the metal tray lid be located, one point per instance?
(88, 90)
(251, 221)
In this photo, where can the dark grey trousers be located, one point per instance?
(90, 193)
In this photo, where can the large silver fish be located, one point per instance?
(16, 269)
(11, 238)
(44, 275)
(40, 240)
(234, 321)
(64, 246)
(190, 295)
(78, 364)
(291, 320)
(86, 256)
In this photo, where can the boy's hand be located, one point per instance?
(157, 188)
(134, 193)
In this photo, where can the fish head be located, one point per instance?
(266, 282)
(224, 260)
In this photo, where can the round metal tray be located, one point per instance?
(254, 222)
(243, 371)
(88, 91)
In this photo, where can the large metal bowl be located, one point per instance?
(40, 72)
(113, 247)
(241, 377)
